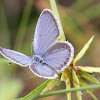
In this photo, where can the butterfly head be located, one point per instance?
(37, 59)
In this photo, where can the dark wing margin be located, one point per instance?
(47, 31)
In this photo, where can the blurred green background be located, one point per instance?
(18, 18)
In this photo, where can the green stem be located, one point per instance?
(55, 10)
(90, 87)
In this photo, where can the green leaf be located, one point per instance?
(82, 52)
(66, 78)
(35, 93)
(68, 86)
(88, 69)
(55, 10)
(88, 77)
(90, 87)
(76, 84)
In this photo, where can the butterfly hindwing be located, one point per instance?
(43, 70)
(59, 55)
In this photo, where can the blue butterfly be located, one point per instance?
(50, 56)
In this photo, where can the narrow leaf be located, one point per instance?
(68, 86)
(88, 69)
(65, 77)
(82, 52)
(76, 84)
(89, 77)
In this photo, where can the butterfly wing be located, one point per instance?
(43, 70)
(59, 55)
(47, 31)
(16, 57)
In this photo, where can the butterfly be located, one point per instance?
(50, 56)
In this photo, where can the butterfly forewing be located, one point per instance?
(59, 55)
(16, 57)
(46, 32)
(43, 70)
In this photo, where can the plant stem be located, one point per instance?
(55, 10)
(90, 87)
